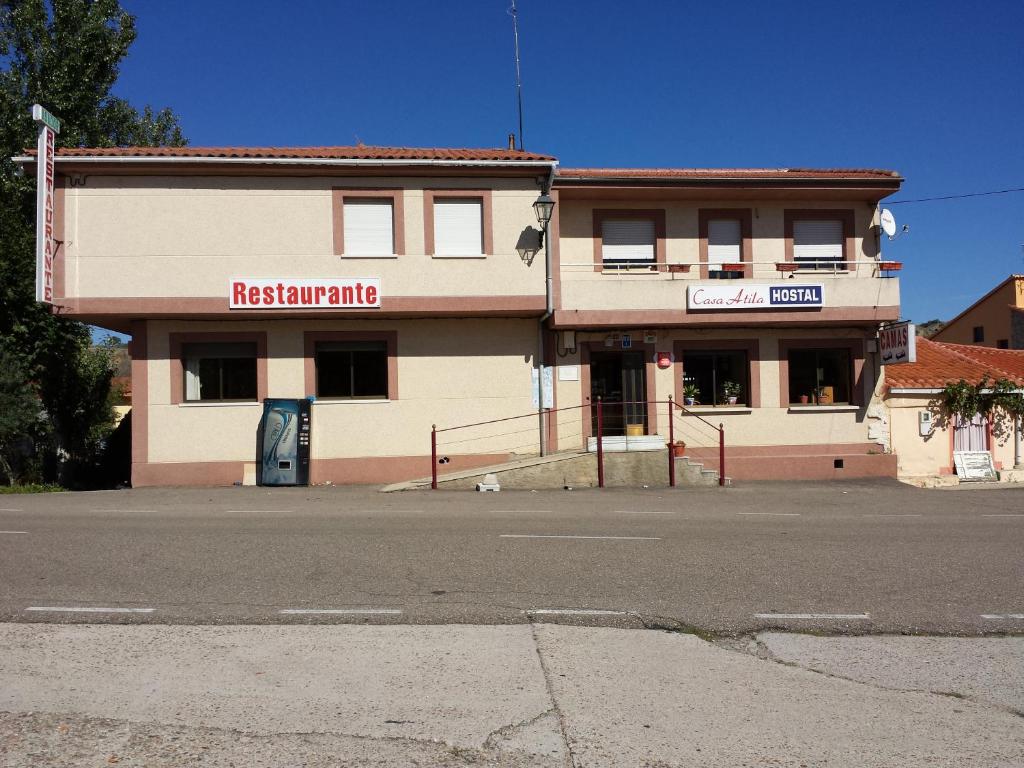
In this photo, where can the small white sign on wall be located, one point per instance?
(568, 373)
(974, 465)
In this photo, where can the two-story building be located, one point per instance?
(402, 288)
(757, 291)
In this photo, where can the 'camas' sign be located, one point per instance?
(897, 343)
(297, 293)
(723, 297)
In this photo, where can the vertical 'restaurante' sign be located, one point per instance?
(49, 127)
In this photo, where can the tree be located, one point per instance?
(19, 412)
(65, 55)
(999, 402)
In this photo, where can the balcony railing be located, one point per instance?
(819, 267)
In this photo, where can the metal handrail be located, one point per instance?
(599, 405)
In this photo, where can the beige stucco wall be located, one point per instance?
(992, 313)
(187, 236)
(583, 288)
(450, 372)
(773, 423)
(920, 456)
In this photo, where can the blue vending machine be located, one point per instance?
(282, 443)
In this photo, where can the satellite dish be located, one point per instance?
(888, 222)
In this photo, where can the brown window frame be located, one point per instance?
(751, 346)
(485, 198)
(177, 342)
(845, 215)
(310, 340)
(746, 220)
(395, 195)
(857, 356)
(657, 215)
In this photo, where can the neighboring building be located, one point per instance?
(912, 394)
(994, 320)
(770, 279)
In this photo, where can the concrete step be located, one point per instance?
(622, 443)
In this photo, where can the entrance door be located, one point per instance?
(620, 380)
(971, 435)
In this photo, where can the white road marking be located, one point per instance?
(341, 611)
(890, 515)
(1002, 616)
(127, 511)
(259, 511)
(10, 510)
(50, 609)
(565, 536)
(844, 616)
(573, 612)
(13, 531)
(644, 512)
(774, 514)
(1007, 515)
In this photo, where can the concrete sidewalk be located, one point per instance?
(523, 695)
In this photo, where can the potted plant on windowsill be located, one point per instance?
(823, 395)
(731, 391)
(690, 394)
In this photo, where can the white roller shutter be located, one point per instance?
(627, 240)
(369, 228)
(818, 241)
(723, 243)
(458, 228)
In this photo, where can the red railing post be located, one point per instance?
(433, 457)
(600, 446)
(721, 453)
(671, 445)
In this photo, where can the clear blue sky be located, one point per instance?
(933, 89)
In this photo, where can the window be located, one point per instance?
(627, 242)
(724, 247)
(1003, 344)
(369, 227)
(458, 227)
(351, 369)
(979, 334)
(717, 375)
(818, 243)
(219, 371)
(822, 376)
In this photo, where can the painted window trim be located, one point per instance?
(657, 215)
(397, 198)
(845, 215)
(746, 219)
(484, 195)
(310, 339)
(751, 346)
(177, 341)
(856, 348)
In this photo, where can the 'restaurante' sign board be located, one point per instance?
(46, 246)
(298, 293)
(728, 297)
(897, 343)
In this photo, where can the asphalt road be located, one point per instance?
(855, 557)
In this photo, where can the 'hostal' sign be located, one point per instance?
(297, 293)
(782, 295)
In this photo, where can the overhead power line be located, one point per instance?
(955, 197)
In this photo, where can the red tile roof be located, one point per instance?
(729, 173)
(939, 364)
(311, 153)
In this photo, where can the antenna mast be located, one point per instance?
(513, 12)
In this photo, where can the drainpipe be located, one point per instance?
(549, 310)
(1018, 462)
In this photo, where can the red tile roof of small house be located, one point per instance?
(360, 152)
(939, 364)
